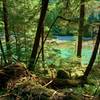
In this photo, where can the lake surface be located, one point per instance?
(66, 38)
(69, 52)
(71, 38)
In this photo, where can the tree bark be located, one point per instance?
(3, 54)
(7, 36)
(81, 28)
(45, 39)
(93, 57)
(38, 34)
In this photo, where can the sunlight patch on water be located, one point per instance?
(66, 53)
(69, 53)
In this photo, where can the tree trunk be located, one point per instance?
(38, 34)
(81, 28)
(18, 48)
(42, 38)
(3, 54)
(7, 36)
(93, 57)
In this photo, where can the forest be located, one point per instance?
(49, 50)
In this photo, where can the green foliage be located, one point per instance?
(2, 91)
(23, 20)
(22, 14)
(23, 17)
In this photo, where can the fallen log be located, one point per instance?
(62, 80)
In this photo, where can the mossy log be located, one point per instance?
(61, 74)
(62, 80)
(62, 83)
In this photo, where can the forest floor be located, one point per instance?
(40, 85)
(36, 88)
(33, 87)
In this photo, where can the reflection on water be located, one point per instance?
(66, 38)
(72, 38)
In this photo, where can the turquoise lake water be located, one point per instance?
(69, 53)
